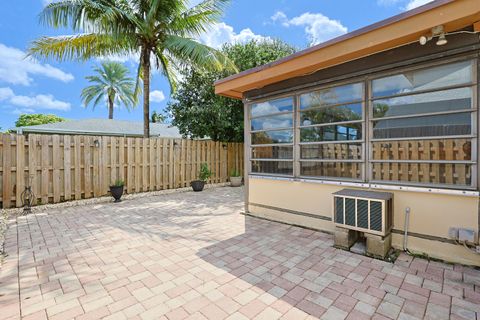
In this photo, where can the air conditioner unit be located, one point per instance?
(365, 211)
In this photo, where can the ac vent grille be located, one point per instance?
(376, 215)
(362, 213)
(365, 211)
(350, 211)
(339, 210)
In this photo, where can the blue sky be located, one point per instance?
(28, 86)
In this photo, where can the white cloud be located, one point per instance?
(221, 33)
(318, 27)
(15, 68)
(39, 101)
(157, 96)
(416, 3)
(281, 17)
(6, 93)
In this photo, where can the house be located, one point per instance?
(102, 127)
(373, 134)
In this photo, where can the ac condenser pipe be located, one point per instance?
(405, 228)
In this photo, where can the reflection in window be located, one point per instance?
(413, 159)
(332, 151)
(272, 122)
(426, 79)
(272, 152)
(273, 167)
(349, 112)
(349, 170)
(432, 102)
(332, 96)
(271, 107)
(413, 150)
(425, 126)
(269, 137)
(447, 174)
(345, 132)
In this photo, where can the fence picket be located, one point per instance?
(20, 179)
(7, 169)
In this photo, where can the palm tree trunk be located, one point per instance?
(146, 92)
(110, 106)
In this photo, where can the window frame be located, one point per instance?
(473, 136)
(367, 162)
(299, 144)
(249, 132)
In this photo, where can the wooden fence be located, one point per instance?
(62, 167)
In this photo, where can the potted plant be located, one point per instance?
(116, 189)
(235, 178)
(203, 176)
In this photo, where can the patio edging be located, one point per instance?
(105, 199)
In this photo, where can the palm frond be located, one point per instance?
(199, 18)
(90, 16)
(198, 55)
(168, 70)
(78, 47)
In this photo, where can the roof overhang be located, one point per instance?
(396, 31)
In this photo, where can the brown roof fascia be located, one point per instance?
(407, 27)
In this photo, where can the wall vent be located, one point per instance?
(365, 211)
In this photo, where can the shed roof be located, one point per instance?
(103, 127)
(393, 32)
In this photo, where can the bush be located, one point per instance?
(205, 172)
(118, 183)
(235, 173)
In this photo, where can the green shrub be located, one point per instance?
(235, 173)
(205, 172)
(118, 183)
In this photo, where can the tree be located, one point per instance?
(36, 119)
(162, 31)
(158, 117)
(199, 113)
(112, 84)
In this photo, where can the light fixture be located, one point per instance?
(437, 31)
(442, 40)
(96, 143)
(423, 40)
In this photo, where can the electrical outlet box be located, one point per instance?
(453, 233)
(466, 235)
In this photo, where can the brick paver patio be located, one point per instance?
(193, 256)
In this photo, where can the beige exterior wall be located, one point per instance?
(431, 214)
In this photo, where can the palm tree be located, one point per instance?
(111, 84)
(160, 31)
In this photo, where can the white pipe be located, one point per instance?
(405, 235)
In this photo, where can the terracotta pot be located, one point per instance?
(197, 185)
(117, 192)
(235, 181)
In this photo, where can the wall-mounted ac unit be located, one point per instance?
(365, 211)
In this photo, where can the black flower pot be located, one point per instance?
(117, 192)
(197, 185)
